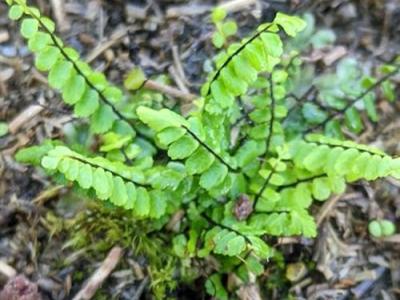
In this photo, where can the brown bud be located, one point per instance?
(243, 207)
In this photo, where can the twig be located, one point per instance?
(326, 209)
(140, 289)
(59, 14)
(237, 5)
(21, 119)
(98, 277)
(168, 90)
(116, 36)
(7, 270)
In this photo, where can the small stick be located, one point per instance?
(140, 289)
(116, 36)
(7, 270)
(326, 208)
(25, 116)
(168, 90)
(98, 277)
(237, 5)
(59, 14)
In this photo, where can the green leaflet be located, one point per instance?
(39, 42)
(170, 135)
(213, 176)
(29, 27)
(272, 43)
(159, 120)
(158, 203)
(260, 248)
(199, 161)
(85, 176)
(102, 120)
(119, 195)
(47, 58)
(182, 148)
(353, 120)
(292, 25)
(229, 243)
(87, 104)
(60, 73)
(101, 184)
(73, 89)
(15, 12)
(142, 202)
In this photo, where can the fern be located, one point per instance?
(234, 193)
(87, 91)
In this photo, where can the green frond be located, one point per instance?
(80, 86)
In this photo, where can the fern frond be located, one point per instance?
(240, 66)
(88, 91)
(122, 185)
(344, 158)
(179, 136)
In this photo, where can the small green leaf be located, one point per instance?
(229, 28)
(388, 228)
(179, 243)
(74, 88)
(375, 229)
(39, 42)
(113, 94)
(15, 12)
(119, 195)
(142, 206)
(213, 176)
(132, 195)
(353, 120)
(218, 39)
(72, 171)
(47, 58)
(161, 119)
(101, 184)
(50, 162)
(135, 79)
(260, 248)
(48, 24)
(218, 14)
(313, 114)
(183, 147)
(158, 203)
(60, 73)
(320, 189)
(215, 288)
(199, 161)
(85, 177)
(272, 44)
(292, 25)
(29, 27)
(102, 120)
(170, 135)
(88, 103)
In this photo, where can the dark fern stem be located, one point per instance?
(353, 101)
(229, 59)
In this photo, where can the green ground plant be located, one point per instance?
(237, 169)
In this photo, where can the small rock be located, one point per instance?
(20, 288)
(347, 12)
